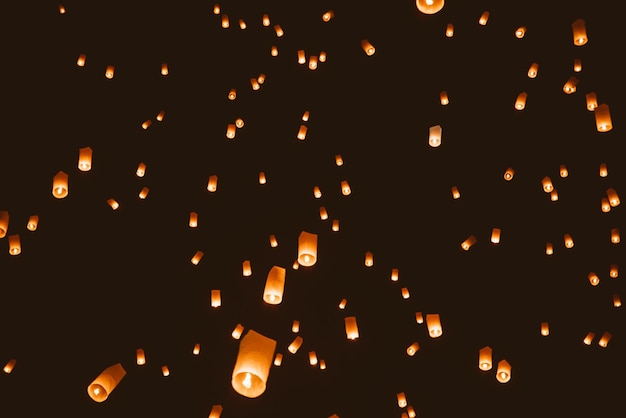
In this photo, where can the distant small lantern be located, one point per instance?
(401, 398)
(394, 275)
(469, 241)
(327, 16)
(265, 20)
(302, 132)
(434, 136)
(617, 302)
(246, 268)
(449, 30)
(533, 70)
(216, 411)
(274, 285)
(549, 248)
(433, 323)
(603, 118)
(252, 367)
(313, 361)
(84, 158)
(592, 101)
(352, 329)
(273, 241)
(196, 349)
(278, 359)
(604, 171)
(322, 364)
(323, 213)
(110, 72)
(231, 130)
(141, 170)
(568, 241)
(554, 195)
(232, 94)
(443, 98)
(322, 58)
(335, 225)
(239, 123)
(613, 271)
(605, 205)
(345, 188)
(32, 223)
(262, 177)
(197, 257)
(547, 185)
(62, 9)
(520, 32)
(429, 7)
(509, 173)
(216, 9)
(317, 193)
(578, 65)
(307, 248)
(520, 101)
(237, 332)
(570, 85)
(143, 193)
(455, 192)
(615, 238)
(579, 32)
(113, 203)
(368, 47)
(604, 339)
(495, 235)
(102, 386)
(503, 373)
(589, 338)
(483, 18)
(212, 184)
(295, 345)
(193, 219)
(146, 124)
(338, 160)
(413, 348)
(563, 171)
(164, 69)
(140, 357)
(419, 317)
(254, 83)
(411, 411)
(369, 259)
(485, 361)
(343, 303)
(60, 188)
(274, 51)
(405, 293)
(159, 117)
(225, 21)
(279, 31)
(261, 78)
(15, 246)
(611, 194)
(8, 368)
(295, 326)
(242, 24)
(545, 329)
(81, 60)
(216, 298)
(4, 223)
(313, 62)
(306, 115)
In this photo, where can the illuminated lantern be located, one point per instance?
(369, 259)
(236, 334)
(547, 185)
(81, 60)
(295, 345)
(483, 18)
(368, 47)
(579, 32)
(216, 298)
(469, 241)
(246, 268)
(113, 203)
(252, 367)
(322, 364)
(327, 16)
(15, 247)
(606, 206)
(84, 159)
(278, 30)
(449, 30)
(567, 239)
(110, 71)
(394, 275)
(278, 360)
(313, 62)
(317, 193)
(274, 51)
(615, 239)
(443, 98)
(4, 223)
(273, 241)
(242, 24)
(295, 326)
(60, 186)
(563, 171)
(262, 178)
(193, 219)
(509, 173)
(570, 85)
(603, 170)
(143, 193)
(165, 371)
(335, 225)
(429, 7)
(495, 235)
(433, 323)
(322, 57)
(545, 329)
(8, 368)
(160, 116)
(274, 285)
(265, 20)
(345, 188)
(295, 265)
(520, 102)
(212, 184)
(613, 271)
(231, 130)
(549, 248)
(216, 411)
(405, 293)
(232, 94)
(617, 302)
(255, 84)
(503, 373)
(592, 101)
(533, 70)
(307, 248)
(323, 213)
(578, 65)
(225, 21)
(589, 338)
(146, 124)
(413, 348)
(455, 192)
(342, 304)
(302, 132)
(141, 357)
(554, 195)
(338, 160)
(419, 318)
(33, 221)
(196, 349)
(411, 412)
(520, 32)
(261, 78)
(611, 194)
(313, 358)
(352, 330)
(216, 9)
(197, 257)
(604, 339)
(164, 69)
(102, 386)
(485, 361)
(401, 397)
(434, 136)
(603, 118)
(61, 9)
(306, 115)
(141, 170)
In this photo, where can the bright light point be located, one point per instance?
(247, 381)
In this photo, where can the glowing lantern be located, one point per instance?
(61, 9)
(327, 16)
(197, 257)
(567, 239)
(615, 239)
(313, 62)
(261, 78)
(102, 386)
(545, 329)
(164, 69)
(449, 30)
(604, 339)
(322, 364)
(231, 130)
(302, 132)
(196, 349)
(579, 31)
(603, 170)
(225, 21)
(278, 30)
(278, 360)
(113, 203)
(242, 24)
(345, 188)
(32, 223)
(434, 136)
(313, 358)
(265, 20)
(317, 193)
(613, 271)
(212, 184)
(443, 98)
(295, 326)
(433, 323)
(216, 298)
(323, 213)
(246, 268)
(593, 278)
(294, 346)
(369, 259)
(165, 371)
(306, 115)
(413, 348)
(236, 334)
(60, 186)
(509, 173)
(549, 248)
(8, 368)
(570, 85)
(216, 411)
(419, 318)
(589, 338)
(141, 357)
(592, 101)
(81, 60)
(485, 361)
(520, 32)
(520, 102)
(394, 275)
(274, 51)
(617, 302)
(578, 65)
(146, 124)
(84, 158)
(603, 118)
(455, 192)
(193, 219)
(307, 248)
(368, 47)
(338, 160)
(273, 241)
(141, 170)
(295, 265)
(554, 195)
(4, 223)
(274, 285)
(563, 171)
(606, 206)
(253, 364)
(335, 225)
(533, 70)
(401, 397)
(143, 193)
(110, 71)
(352, 329)
(483, 18)
(411, 412)
(611, 194)
(255, 84)
(262, 178)
(547, 185)
(405, 293)
(429, 7)
(342, 304)
(495, 235)
(469, 241)
(503, 373)
(216, 9)
(160, 116)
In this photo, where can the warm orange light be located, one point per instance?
(433, 323)
(327, 16)
(216, 411)
(394, 275)
(60, 187)
(246, 268)
(197, 257)
(102, 386)
(434, 136)
(503, 373)
(449, 30)
(343, 303)
(32, 223)
(338, 160)
(495, 235)
(216, 298)
(570, 85)
(196, 349)
(554, 195)
(613, 271)
(265, 20)
(592, 101)
(547, 185)
(443, 98)
(429, 7)
(549, 248)
(520, 32)
(302, 132)
(405, 293)
(603, 118)
(146, 124)
(62, 9)
(483, 18)
(568, 241)
(367, 47)
(352, 329)
(578, 65)
(369, 259)
(239, 123)
(261, 78)
(81, 60)
(193, 219)
(579, 32)
(509, 173)
(4, 223)
(323, 213)
(604, 171)
(278, 360)
(140, 357)
(401, 397)
(611, 194)
(317, 193)
(8, 368)
(306, 115)
(159, 117)
(225, 21)
(605, 205)
(413, 348)
(419, 317)
(589, 338)
(278, 30)
(593, 278)
(141, 170)
(313, 62)
(253, 364)
(533, 70)
(545, 329)
(485, 361)
(469, 241)
(143, 193)
(335, 225)
(307, 249)
(109, 72)
(313, 358)
(164, 69)
(455, 192)
(212, 184)
(274, 285)
(295, 345)
(617, 302)
(113, 203)
(216, 9)
(604, 339)
(615, 238)
(84, 158)
(345, 188)
(563, 171)
(242, 24)
(274, 51)
(520, 101)
(273, 241)
(254, 83)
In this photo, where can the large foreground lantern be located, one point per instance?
(252, 367)
(274, 285)
(429, 7)
(60, 185)
(102, 386)
(307, 248)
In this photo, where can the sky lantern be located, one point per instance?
(323, 213)
(509, 173)
(246, 268)
(549, 248)
(164, 69)
(237, 331)
(32, 223)
(335, 225)
(503, 373)
(193, 219)
(485, 361)
(394, 275)
(143, 193)
(165, 371)
(113, 203)
(469, 241)
(102, 386)
(603, 118)
(367, 47)
(563, 171)
(593, 278)
(520, 101)
(338, 160)
(455, 192)
(413, 348)
(302, 132)
(419, 317)
(84, 158)
(15, 246)
(520, 32)
(615, 238)
(274, 285)
(146, 124)
(443, 98)
(592, 101)
(482, 20)
(216, 298)
(295, 326)
(617, 302)
(159, 117)
(604, 339)
(369, 259)
(216, 411)
(327, 16)
(197, 257)
(433, 323)
(343, 303)
(278, 30)
(613, 271)
(345, 188)
(273, 241)
(278, 359)
(545, 329)
(449, 30)
(434, 136)
(401, 398)
(109, 72)
(225, 21)
(8, 368)
(603, 171)
(81, 60)
(578, 65)
(141, 170)
(295, 345)
(579, 32)
(307, 248)
(265, 20)
(429, 7)
(547, 185)
(589, 338)
(533, 70)
(352, 329)
(60, 187)
(495, 235)
(611, 194)
(140, 357)
(570, 85)
(4, 223)
(313, 361)
(252, 367)
(212, 184)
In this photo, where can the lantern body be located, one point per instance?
(313, 62)
(533, 70)
(335, 225)
(110, 72)
(212, 184)
(433, 323)
(302, 132)
(237, 332)
(592, 101)
(216, 298)
(485, 361)
(313, 358)
(307, 249)
(338, 160)
(193, 219)
(146, 124)
(394, 275)
(547, 185)
(589, 338)
(604, 339)
(579, 32)
(405, 293)
(262, 177)
(549, 248)
(413, 348)
(278, 360)
(266, 20)
(369, 259)
(434, 136)
(143, 193)
(401, 397)
(225, 21)
(60, 186)
(520, 32)
(295, 345)
(520, 102)
(509, 173)
(113, 203)
(274, 285)
(611, 194)
(141, 170)
(84, 158)
(323, 213)
(419, 317)
(570, 85)
(613, 271)
(342, 303)
(165, 371)
(568, 241)
(603, 118)
(317, 193)
(593, 279)
(495, 235)
(273, 241)
(352, 329)
(617, 302)
(443, 98)
(429, 7)
(197, 257)
(368, 47)
(563, 171)
(449, 30)
(545, 329)
(102, 386)
(33, 221)
(4, 223)
(605, 205)
(469, 241)
(483, 18)
(578, 65)
(279, 31)
(604, 171)
(8, 368)
(327, 16)
(216, 411)
(615, 238)
(160, 116)
(81, 60)
(15, 247)
(246, 268)
(503, 374)
(253, 363)
(196, 349)
(141, 357)
(345, 188)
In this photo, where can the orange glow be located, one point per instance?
(433, 323)
(485, 362)
(579, 32)
(368, 47)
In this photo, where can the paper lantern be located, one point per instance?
(305, 115)
(469, 241)
(140, 357)
(327, 16)
(563, 171)
(193, 219)
(196, 349)
(429, 7)
(274, 285)
(617, 302)
(613, 271)
(302, 132)
(143, 193)
(413, 348)
(278, 360)
(611, 194)
(394, 275)
(237, 332)
(141, 170)
(604, 339)
(405, 293)
(60, 187)
(554, 195)
(164, 69)
(84, 158)
(483, 18)
(61, 9)
(102, 386)
(570, 85)
(367, 47)
(81, 60)
(533, 70)
(273, 241)
(165, 371)
(547, 185)
(485, 361)
(495, 235)
(261, 78)
(8, 368)
(197, 257)
(231, 130)
(605, 205)
(545, 329)
(411, 411)
(589, 338)
(113, 203)
(146, 124)
(254, 83)
(338, 160)
(313, 62)
(278, 31)
(449, 30)
(401, 397)
(159, 117)
(509, 173)
(443, 98)
(433, 323)
(592, 101)
(239, 123)
(323, 213)
(216, 9)
(322, 364)
(603, 170)
(262, 177)
(32, 223)
(603, 118)
(295, 326)
(109, 72)
(579, 32)
(307, 249)
(343, 303)
(212, 184)
(216, 298)
(265, 20)
(345, 188)
(295, 345)
(335, 225)
(520, 101)
(520, 32)
(549, 248)
(434, 136)
(419, 317)
(216, 411)
(15, 246)
(615, 239)
(225, 21)
(578, 65)
(369, 259)
(246, 268)
(503, 373)
(4, 223)
(568, 241)
(252, 367)
(313, 358)
(274, 51)
(352, 329)
(242, 24)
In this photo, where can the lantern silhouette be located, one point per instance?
(193, 219)
(520, 32)
(231, 130)
(570, 85)
(4, 223)
(102, 386)
(313, 62)
(216, 298)
(8, 368)
(520, 102)
(443, 98)
(604, 339)
(322, 364)
(405, 293)
(81, 60)
(615, 239)
(252, 367)
(503, 373)
(327, 16)
(212, 184)
(246, 268)
(613, 271)
(368, 47)
(305, 115)
(549, 248)
(589, 338)
(60, 188)
(273, 241)
(413, 348)
(278, 359)
(84, 158)
(265, 20)
(146, 124)
(338, 160)
(603, 118)
(317, 193)
(533, 70)
(274, 51)
(159, 117)
(547, 185)
(261, 78)
(216, 411)
(352, 329)
(225, 21)
(485, 361)
(313, 358)
(401, 397)
(113, 203)
(394, 275)
(302, 132)
(197, 257)
(335, 225)
(165, 371)
(110, 72)
(242, 24)
(545, 329)
(216, 9)
(342, 303)
(254, 83)
(141, 170)
(323, 213)
(237, 332)
(419, 317)
(143, 193)
(232, 94)
(554, 195)
(617, 302)
(278, 31)
(434, 136)
(61, 9)
(164, 69)
(32, 223)
(369, 259)
(295, 345)
(433, 323)
(295, 326)
(262, 177)
(449, 30)
(429, 7)
(483, 18)
(274, 285)
(509, 173)
(605, 205)
(579, 32)
(568, 241)
(307, 249)
(578, 65)
(603, 170)
(563, 171)
(140, 357)
(611, 194)
(345, 188)
(469, 241)
(495, 235)
(15, 246)
(196, 349)
(592, 101)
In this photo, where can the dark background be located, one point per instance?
(92, 284)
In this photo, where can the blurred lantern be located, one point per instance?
(216, 298)
(231, 130)
(143, 193)
(4, 223)
(164, 69)
(606, 206)
(368, 47)
(345, 188)
(102, 386)
(495, 235)
(262, 177)
(254, 83)
(342, 304)
(338, 160)
(261, 78)
(604, 171)
(434, 136)
(196, 349)
(62, 9)
(141, 357)
(273, 241)
(15, 247)
(545, 329)
(322, 57)
(335, 225)
(604, 339)
(547, 185)
(485, 358)
(549, 248)
(568, 241)
(242, 24)
(225, 21)
(265, 20)
(193, 219)
(352, 330)
(615, 239)
(295, 264)
(419, 318)
(520, 102)
(278, 360)
(483, 18)
(413, 348)
(433, 323)
(239, 123)
(323, 213)
(160, 116)
(570, 85)
(252, 367)
(369, 259)
(589, 338)
(322, 364)
(563, 171)
(579, 32)
(313, 62)
(141, 170)
(554, 195)
(533, 70)
(429, 7)
(212, 184)
(520, 32)
(216, 411)
(455, 192)
(394, 275)
(278, 30)
(405, 293)
(113, 203)
(611, 194)
(236, 334)
(146, 124)
(327, 16)
(592, 101)
(503, 373)
(613, 271)
(302, 132)
(411, 411)
(197, 257)
(313, 358)
(8, 368)
(165, 371)
(603, 118)
(469, 241)
(32, 223)
(443, 98)
(274, 51)
(295, 345)
(110, 71)
(60, 186)
(617, 302)
(84, 158)
(509, 173)
(305, 115)
(307, 248)
(232, 94)
(216, 9)
(578, 65)
(295, 326)
(317, 193)
(274, 285)
(449, 30)
(246, 268)
(401, 397)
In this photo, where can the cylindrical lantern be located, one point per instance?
(216, 9)
(401, 397)
(335, 225)
(8, 368)
(570, 85)
(262, 177)
(483, 18)
(604, 171)
(252, 367)
(411, 411)
(578, 65)
(429, 7)
(509, 173)
(143, 193)
(434, 136)
(533, 70)
(449, 30)
(160, 116)
(236, 334)
(307, 249)
(81, 60)
(495, 235)
(216, 411)
(554, 195)
(352, 329)
(266, 20)
(141, 357)
(15, 247)
(547, 185)
(611, 194)
(413, 348)
(212, 184)
(369, 259)
(239, 123)
(193, 219)
(278, 360)
(615, 239)
(405, 293)
(345, 188)
(232, 94)
(305, 115)
(604, 339)
(84, 158)
(322, 364)
(503, 373)
(327, 16)
(33, 221)
(323, 213)
(545, 329)
(343, 303)
(60, 186)
(313, 62)
(196, 349)
(225, 21)
(368, 47)
(520, 102)
(313, 358)
(164, 69)
(419, 317)
(141, 170)
(317, 193)
(102, 386)
(274, 51)
(520, 32)
(469, 241)
(146, 124)
(485, 361)
(165, 371)
(605, 205)
(197, 257)
(549, 248)
(295, 345)
(254, 83)
(231, 130)
(589, 338)
(110, 71)
(613, 271)
(338, 160)
(279, 31)
(568, 241)
(563, 171)
(246, 268)
(242, 24)
(433, 323)
(273, 241)
(295, 326)
(274, 285)
(394, 275)
(617, 302)
(603, 118)
(216, 298)
(443, 98)
(302, 132)
(113, 203)
(4, 223)
(592, 101)
(579, 32)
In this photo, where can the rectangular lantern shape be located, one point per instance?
(335, 225)
(589, 338)
(549, 248)
(4, 223)
(8, 368)
(273, 241)
(570, 85)
(33, 221)
(617, 301)
(545, 329)
(495, 235)
(84, 158)
(603, 118)
(483, 18)
(533, 70)
(274, 285)
(313, 358)
(579, 32)
(81, 60)
(503, 374)
(509, 173)
(196, 349)
(611, 194)
(295, 345)
(110, 72)
(604, 339)
(102, 386)
(216, 298)
(140, 357)
(520, 101)
(434, 136)
(419, 317)
(253, 363)
(60, 187)
(302, 132)
(246, 268)
(237, 332)
(369, 259)
(615, 238)
(367, 47)
(413, 348)
(563, 171)
(197, 257)
(394, 275)
(401, 398)
(469, 241)
(113, 203)
(15, 246)
(160, 116)
(216, 411)
(307, 249)
(568, 241)
(485, 361)
(141, 170)
(443, 98)
(433, 323)
(212, 183)
(193, 219)
(278, 360)
(343, 303)
(143, 193)
(345, 188)
(352, 329)
(592, 101)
